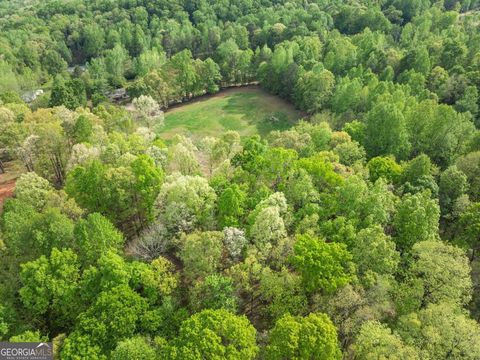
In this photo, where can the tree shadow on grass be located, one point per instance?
(251, 112)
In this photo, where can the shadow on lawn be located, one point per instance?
(243, 104)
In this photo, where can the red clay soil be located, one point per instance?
(6, 190)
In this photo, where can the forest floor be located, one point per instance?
(8, 180)
(247, 110)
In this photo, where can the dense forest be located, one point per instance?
(354, 234)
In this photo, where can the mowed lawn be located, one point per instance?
(241, 109)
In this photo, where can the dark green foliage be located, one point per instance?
(70, 93)
(82, 129)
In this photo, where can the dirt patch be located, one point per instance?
(6, 190)
(13, 170)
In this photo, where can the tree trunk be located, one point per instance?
(472, 255)
(2, 168)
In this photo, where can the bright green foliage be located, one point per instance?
(162, 278)
(83, 183)
(353, 213)
(416, 220)
(48, 230)
(356, 130)
(216, 335)
(110, 271)
(386, 132)
(120, 303)
(385, 167)
(350, 153)
(115, 60)
(438, 131)
(50, 286)
(94, 236)
(276, 164)
(268, 228)
(33, 190)
(321, 133)
(156, 281)
(340, 55)
(299, 189)
(215, 292)
(29, 336)
(470, 165)
(346, 96)
(182, 64)
(442, 331)
(314, 89)
(376, 341)
(312, 337)
(82, 130)
(250, 156)
(209, 73)
(283, 292)
(374, 253)
(321, 171)
(231, 205)
(125, 195)
(469, 101)
(323, 266)
(136, 348)
(415, 169)
(201, 253)
(186, 203)
(77, 346)
(469, 227)
(148, 180)
(364, 204)
(17, 220)
(444, 272)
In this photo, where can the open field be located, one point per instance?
(241, 109)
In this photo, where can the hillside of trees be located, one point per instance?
(354, 234)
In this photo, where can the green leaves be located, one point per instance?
(444, 272)
(416, 219)
(377, 341)
(296, 338)
(323, 266)
(50, 286)
(386, 132)
(216, 335)
(95, 236)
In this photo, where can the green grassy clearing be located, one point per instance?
(241, 109)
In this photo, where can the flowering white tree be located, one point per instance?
(234, 240)
(186, 203)
(82, 153)
(33, 189)
(182, 157)
(268, 228)
(148, 110)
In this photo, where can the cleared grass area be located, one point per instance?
(248, 110)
